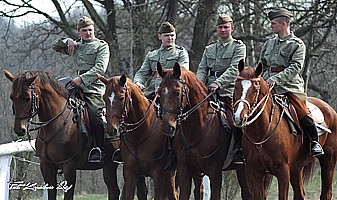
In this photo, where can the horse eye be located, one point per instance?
(26, 99)
(121, 98)
(178, 92)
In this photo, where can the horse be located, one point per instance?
(59, 144)
(200, 142)
(144, 148)
(269, 146)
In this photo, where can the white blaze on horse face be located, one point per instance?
(112, 97)
(246, 84)
(166, 90)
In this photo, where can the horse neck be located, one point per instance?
(50, 104)
(140, 106)
(195, 96)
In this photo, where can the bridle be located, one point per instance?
(256, 103)
(252, 109)
(34, 105)
(126, 108)
(182, 116)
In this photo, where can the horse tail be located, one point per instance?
(308, 171)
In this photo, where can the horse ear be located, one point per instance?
(30, 80)
(241, 65)
(8, 75)
(160, 69)
(122, 80)
(102, 78)
(259, 69)
(176, 71)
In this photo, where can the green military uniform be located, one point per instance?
(219, 64)
(89, 58)
(283, 60)
(167, 56)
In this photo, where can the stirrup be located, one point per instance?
(115, 155)
(95, 155)
(316, 149)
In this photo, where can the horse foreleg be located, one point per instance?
(283, 178)
(255, 183)
(130, 181)
(69, 182)
(296, 180)
(328, 164)
(241, 176)
(110, 180)
(49, 176)
(185, 182)
(216, 180)
(164, 183)
(198, 187)
(141, 188)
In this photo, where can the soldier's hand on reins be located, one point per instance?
(270, 81)
(71, 46)
(141, 86)
(213, 87)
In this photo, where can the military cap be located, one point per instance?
(223, 19)
(166, 27)
(279, 12)
(84, 21)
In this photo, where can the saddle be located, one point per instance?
(292, 117)
(77, 104)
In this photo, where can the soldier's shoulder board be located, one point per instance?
(179, 47)
(214, 42)
(298, 40)
(238, 41)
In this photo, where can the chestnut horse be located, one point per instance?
(268, 145)
(200, 142)
(143, 147)
(59, 144)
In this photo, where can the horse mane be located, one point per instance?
(196, 86)
(43, 77)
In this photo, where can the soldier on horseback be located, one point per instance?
(283, 58)
(218, 70)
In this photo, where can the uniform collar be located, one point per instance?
(286, 38)
(225, 42)
(162, 47)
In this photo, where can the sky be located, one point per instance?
(44, 5)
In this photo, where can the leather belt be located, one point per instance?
(80, 72)
(215, 73)
(276, 68)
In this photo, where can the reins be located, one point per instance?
(255, 107)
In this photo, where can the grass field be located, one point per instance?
(312, 189)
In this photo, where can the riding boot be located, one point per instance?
(96, 154)
(238, 158)
(309, 125)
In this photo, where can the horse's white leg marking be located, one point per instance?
(246, 84)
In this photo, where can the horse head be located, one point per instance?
(117, 100)
(173, 97)
(25, 98)
(250, 94)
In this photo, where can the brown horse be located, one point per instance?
(143, 147)
(200, 143)
(269, 146)
(59, 144)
